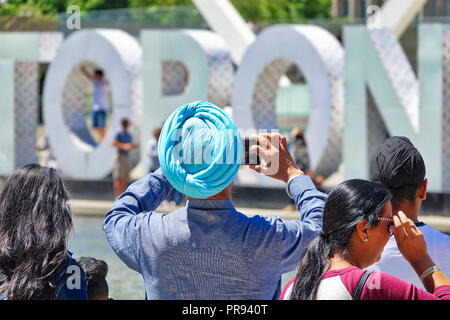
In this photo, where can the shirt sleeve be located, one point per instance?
(131, 210)
(438, 245)
(383, 286)
(295, 235)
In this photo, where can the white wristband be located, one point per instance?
(287, 184)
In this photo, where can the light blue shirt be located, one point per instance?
(100, 96)
(209, 250)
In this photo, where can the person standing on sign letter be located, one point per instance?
(100, 100)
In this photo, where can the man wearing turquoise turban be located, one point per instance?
(200, 150)
(207, 249)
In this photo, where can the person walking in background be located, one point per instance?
(174, 197)
(300, 154)
(399, 166)
(35, 223)
(207, 249)
(100, 101)
(96, 272)
(122, 167)
(299, 150)
(152, 151)
(357, 224)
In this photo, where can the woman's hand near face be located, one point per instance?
(410, 240)
(411, 243)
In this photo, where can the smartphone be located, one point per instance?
(250, 158)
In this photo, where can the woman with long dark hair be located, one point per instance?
(35, 222)
(357, 223)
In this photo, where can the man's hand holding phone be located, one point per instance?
(250, 158)
(272, 149)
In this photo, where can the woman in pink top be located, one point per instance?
(357, 224)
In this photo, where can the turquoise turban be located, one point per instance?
(200, 149)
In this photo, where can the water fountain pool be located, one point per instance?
(89, 240)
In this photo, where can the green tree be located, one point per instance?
(258, 10)
(292, 10)
(160, 3)
(86, 5)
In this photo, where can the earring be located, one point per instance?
(365, 239)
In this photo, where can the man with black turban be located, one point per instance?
(399, 166)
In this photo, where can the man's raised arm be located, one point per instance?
(132, 209)
(294, 235)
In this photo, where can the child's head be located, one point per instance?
(157, 133)
(96, 271)
(125, 124)
(98, 74)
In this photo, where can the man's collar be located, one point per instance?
(210, 204)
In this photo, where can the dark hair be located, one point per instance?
(35, 222)
(98, 72)
(125, 122)
(399, 166)
(96, 271)
(157, 132)
(347, 204)
(408, 192)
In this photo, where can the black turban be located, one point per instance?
(397, 163)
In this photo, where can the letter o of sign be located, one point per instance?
(119, 55)
(320, 57)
